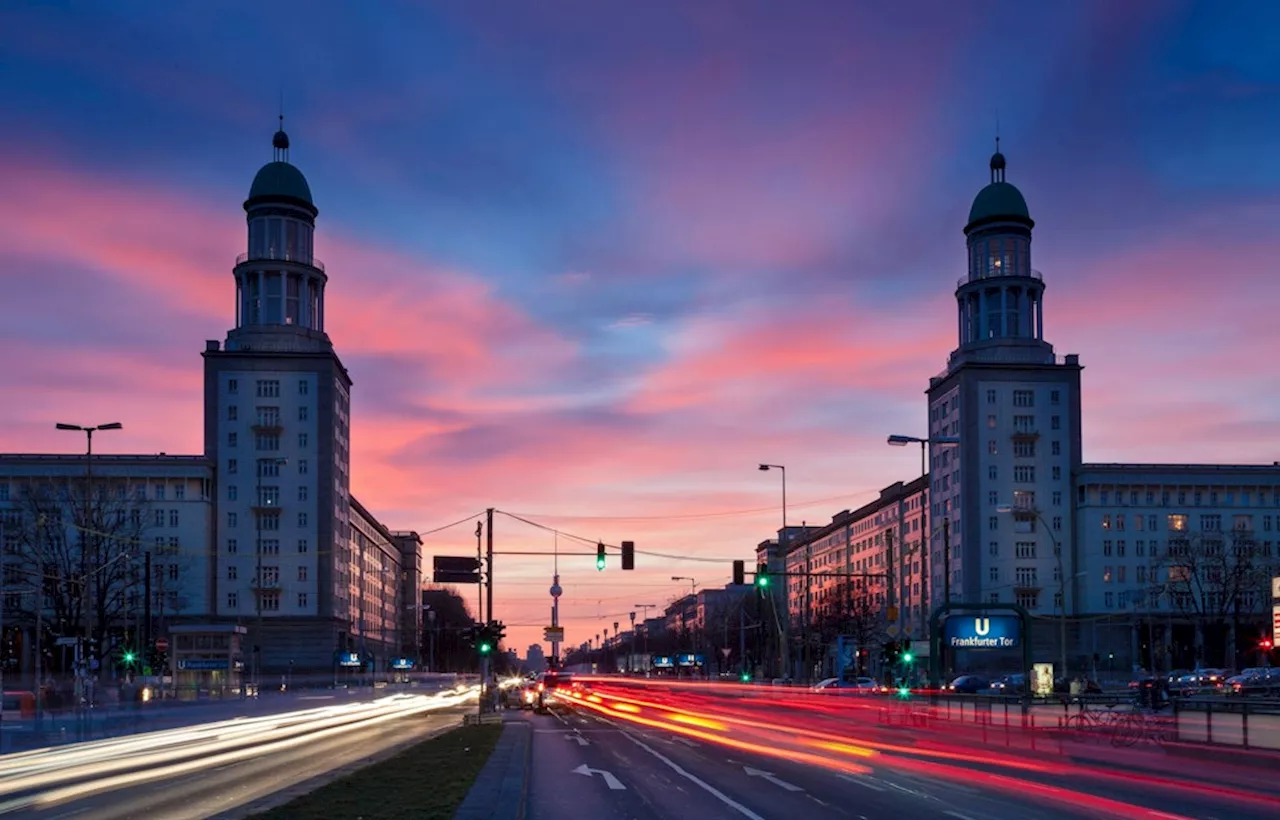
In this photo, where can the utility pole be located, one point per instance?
(488, 537)
(483, 570)
(146, 601)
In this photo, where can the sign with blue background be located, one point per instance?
(982, 632)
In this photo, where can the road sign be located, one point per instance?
(162, 644)
(1275, 588)
(553, 634)
(892, 630)
(455, 569)
(891, 614)
(66, 641)
(982, 632)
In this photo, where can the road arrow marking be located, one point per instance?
(609, 780)
(685, 741)
(582, 741)
(791, 787)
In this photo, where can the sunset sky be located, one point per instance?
(592, 262)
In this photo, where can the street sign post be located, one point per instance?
(162, 644)
(455, 569)
(553, 634)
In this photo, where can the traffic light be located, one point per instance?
(890, 652)
(762, 575)
(497, 631)
(739, 573)
(628, 555)
(600, 557)
(907, 655)
(1266, 644)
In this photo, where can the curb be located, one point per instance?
(501, 789)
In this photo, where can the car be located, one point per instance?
(968, 685)
(549, 683)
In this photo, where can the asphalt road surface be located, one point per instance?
(588, 765)
(226, 792)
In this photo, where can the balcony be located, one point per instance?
(998, 273)
(270, 425)
(276, 255)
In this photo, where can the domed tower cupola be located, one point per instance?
(279, 282)
(1000, 300)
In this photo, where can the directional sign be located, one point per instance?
(553, 634)
(772, 778)
(612, 782)
(982, 632)
(582, 741)
(455, 569)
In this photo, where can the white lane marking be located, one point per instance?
(612, 782)
(582, 741)
(861, 781)
(957, 815)
(772, 778)
(685, 741)
(702, 784)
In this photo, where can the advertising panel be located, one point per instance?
(982, 632)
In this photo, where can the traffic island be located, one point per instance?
(428, 781)
(501, 790)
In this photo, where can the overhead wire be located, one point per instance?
(615, 547)
(696, 516)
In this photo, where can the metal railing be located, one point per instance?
(280, 256)
(1000, 274)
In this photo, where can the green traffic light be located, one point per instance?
(907, 657)
(746, 678)
(903, 691)
(600, 564)
(129, 657)
(762, 580)
(484, 648)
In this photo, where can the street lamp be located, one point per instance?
(773, 601)
(1006, 509)
(927, 537)
(87, 603)
(693, 591)
(646, 608)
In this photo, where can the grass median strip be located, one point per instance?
(429, 780)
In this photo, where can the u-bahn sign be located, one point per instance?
(981, 631)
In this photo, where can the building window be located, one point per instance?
(991, 397)
(992, 449)
(993, 472)
(1211, 523)
(1055, 396)
(1057, 473)
(233, 385)
(994, 549)
(268, 388)
(1057, 523)
(1106, 575)
(1106, 548)
(994, 574)
(302, 413)
(993, 523)
(231, 520)
(1024, 449)
(264, 441)
(231, 572)
(233, 413)
(993, 498)
(1028, 600)
(303, 387)
(1024, 398)
(271, 601)
(1057, 498)
(302, 545)
(991, 421)
(302, 600)
(1106, 522)
(994, 597)
(302, 466)
(302, 573)
(302, 519)
(179, 492)
(1140, 547)
(159, 492)
(173, 518)
(159, 518)
(1120, 549)
(1025, 549)
(232, 546)
(269, 546)
(1120, 573)
(1151, 523)
(1055, 448)
(1055, 422)
(1024, 474)
(269, 520)
(302, 439)
(268, 496)
(268, 467)
(1177, 522)
(232, 492)
(232, 466)
(233, 600)
(1108, 599)
(302, 493)
(232, 439)
(1024, 424)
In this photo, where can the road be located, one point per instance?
(686, 763)
(220, 769)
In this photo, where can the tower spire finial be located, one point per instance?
(280, 142)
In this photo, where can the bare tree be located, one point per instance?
(84, 553)
(1216, 579)
(849, 610)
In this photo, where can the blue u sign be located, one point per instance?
(982, 632)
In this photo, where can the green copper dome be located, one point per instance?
(999, 200)
(280, 180)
